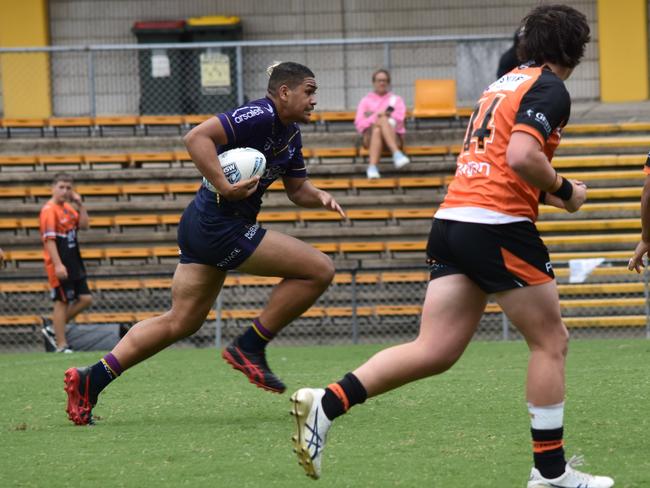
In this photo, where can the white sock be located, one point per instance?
(547, 417)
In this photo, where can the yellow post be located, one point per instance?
(25, 76)
(623, 49)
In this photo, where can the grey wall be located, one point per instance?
(343, 74)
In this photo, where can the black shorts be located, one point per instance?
(216, 240)
(496, 257)
(69, 290)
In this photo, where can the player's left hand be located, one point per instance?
(636, 261)
(330, 204)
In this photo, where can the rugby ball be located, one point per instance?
(242, 163)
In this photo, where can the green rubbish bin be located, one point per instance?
(212, 79)
(161, 70)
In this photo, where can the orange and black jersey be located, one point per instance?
(485, 189)
(60, 223)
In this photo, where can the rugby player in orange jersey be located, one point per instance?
(483, 241)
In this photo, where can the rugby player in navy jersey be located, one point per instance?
(218, 232)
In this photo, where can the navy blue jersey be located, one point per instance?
(256, 124)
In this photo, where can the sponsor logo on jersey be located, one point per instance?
(252, 112)
(541, 119)
(473, 168)
(509, 82)
(549, 267)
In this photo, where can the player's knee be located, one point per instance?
(86, 300)
(443, 363)
(181, 325)
(324, 271)
(555, 343)
(563, 341)
(434, 365)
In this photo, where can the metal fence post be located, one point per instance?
(387, 56)
(239, 67)
(505, 327)
(92, 99)
(355, 324)
(646, 296)
(218, 324)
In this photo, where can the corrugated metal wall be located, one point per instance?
(78, 22)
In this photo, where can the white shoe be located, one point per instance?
(571, 478)
(400, 159)
(64, 350)
(48, 333)
(372, 172)
(311, 429)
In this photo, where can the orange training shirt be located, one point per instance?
(60, 223)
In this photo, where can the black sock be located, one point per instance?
(256, 338)
(548, 452)
(100, 377)
(339, 397)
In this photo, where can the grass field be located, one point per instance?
(184, 418)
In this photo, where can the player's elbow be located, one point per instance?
(519, 159)
(523, 152)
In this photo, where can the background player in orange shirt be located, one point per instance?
(483, 241)
(60, 219)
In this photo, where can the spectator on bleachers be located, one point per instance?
(636, 261)
(380, 121)
(2, 257)
(60, 220)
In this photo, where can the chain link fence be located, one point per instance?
(361, 306)
(209, 77)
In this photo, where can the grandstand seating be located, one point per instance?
(434, 98)
(583, 304)
(136, 195)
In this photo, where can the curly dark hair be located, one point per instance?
(288, 73)
(555, 34)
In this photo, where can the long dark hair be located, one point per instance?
(555, 34)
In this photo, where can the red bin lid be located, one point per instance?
(159, 24)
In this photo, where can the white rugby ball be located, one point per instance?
(242, 163)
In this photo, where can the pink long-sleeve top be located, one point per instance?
(375, 103)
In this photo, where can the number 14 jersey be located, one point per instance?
(485, 189)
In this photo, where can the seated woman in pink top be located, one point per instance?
(380, 119)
